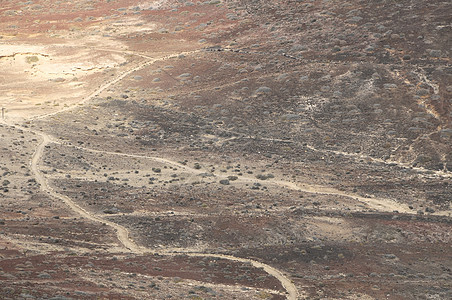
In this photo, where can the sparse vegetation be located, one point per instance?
(312, 137)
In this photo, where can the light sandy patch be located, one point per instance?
(331, 228)
(39, 79)
(151, 5)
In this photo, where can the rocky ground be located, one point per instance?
(226, 149)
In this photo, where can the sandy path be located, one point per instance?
(356, 156)
(379, 160)
(112, 82)
(292, 292)
(379, 204)
(122, 232)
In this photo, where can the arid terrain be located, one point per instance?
(226, 149)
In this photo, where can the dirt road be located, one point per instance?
(122, 233)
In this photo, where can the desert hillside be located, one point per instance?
(226, 149)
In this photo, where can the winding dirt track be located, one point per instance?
(379, 204)
(122, 232)
(114, 81)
